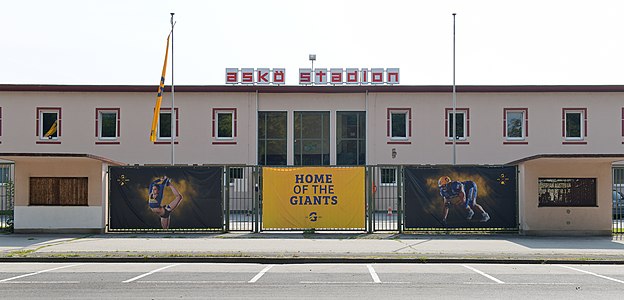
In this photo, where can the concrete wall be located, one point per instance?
(536, 220)
(427, 145)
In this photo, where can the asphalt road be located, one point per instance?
(311, 281)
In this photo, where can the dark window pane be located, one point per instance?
(225, 125)
(459, 124)
(388, 176)
(514, 124)
(346, 153)
(50, 125)
(311, 125)
(399, 125)
(350, 138)
(276, 153)
(311, 138)
(272, 138)
(573, 125)
(276, 125)
(109, 125)
(164, 128)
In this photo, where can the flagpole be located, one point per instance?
(173, 113)
(454, 96)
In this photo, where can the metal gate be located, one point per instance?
(241, 191)
(384, 198)
(617, 197)
(7, 192)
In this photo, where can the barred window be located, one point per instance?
(388, 176)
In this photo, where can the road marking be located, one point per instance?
(591, 273)
(351, 282)
(482, 273)
(43, 282)
(260, 274)
(521, 283)
(373, 274)
(149, 273)
(193, 281)
(38, 272)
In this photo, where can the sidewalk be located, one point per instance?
(305, 248)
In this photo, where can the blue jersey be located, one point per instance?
(452, 189)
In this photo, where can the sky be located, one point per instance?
(529, 42)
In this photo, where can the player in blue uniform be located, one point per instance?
(156, 191)
(462, 193)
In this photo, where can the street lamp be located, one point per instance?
(312, 58)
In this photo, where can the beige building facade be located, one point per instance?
(547, 131)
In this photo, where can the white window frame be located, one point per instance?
(101, 124)
(217, 123)
(450, 126)
(523, 134)
(581, 121)
(405, 118)
(173, 119)
(42, 131)
(381, 170)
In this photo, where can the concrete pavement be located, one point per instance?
(318, 247)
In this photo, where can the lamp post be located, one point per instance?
(454, 100)
(312, 58)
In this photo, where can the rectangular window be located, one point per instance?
(107, 123)
(164, 124)
(574, 123)
(272, 146)
(462, 123)
(388, 176)
(5, 176)
(311, 133)
(351, 138)
(235, 173)
(399, 125)
(622, 121)
(224, 125)
(59, 191)
(567, 192)
(515, 123)
(48, 123)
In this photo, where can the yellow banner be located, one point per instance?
(313, 197)
(161, 90)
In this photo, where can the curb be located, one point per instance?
(306, 260)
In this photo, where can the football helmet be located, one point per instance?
(443, 181)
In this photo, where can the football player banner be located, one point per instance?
(313, 198)
(461, 197)
(164, 198)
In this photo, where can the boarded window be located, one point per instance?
(59, 191)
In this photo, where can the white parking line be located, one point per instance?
(591, 273)
(149, 273)
(260, 274)
(38, 272)
(44, 282)
(373, 274)
(482, 273)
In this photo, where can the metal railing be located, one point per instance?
(617, 198)
(7, 192)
